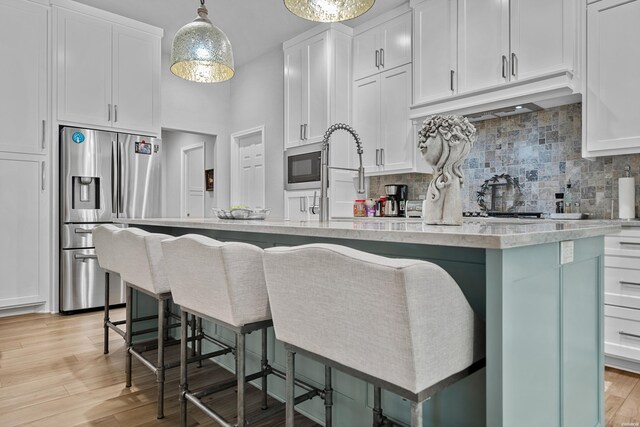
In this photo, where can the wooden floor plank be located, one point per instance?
(53, 373)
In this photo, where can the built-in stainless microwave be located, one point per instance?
(302, 167)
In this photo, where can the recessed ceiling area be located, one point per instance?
(253, 26)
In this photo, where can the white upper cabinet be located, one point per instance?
(383, 47)
(537, 38)
(483, 43)
(435, 45)
(108, 75)
(473, 53)
(84, 68)
(306, 91)
(136, 80)
(612, 97)
(381, 116)
(23, 77)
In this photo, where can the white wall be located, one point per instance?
(257, 98)
(202, 109)
(172, 143)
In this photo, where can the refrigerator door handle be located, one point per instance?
(114, 178)
(81, 257)
(120, 201)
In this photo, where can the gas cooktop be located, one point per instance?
(502, 214)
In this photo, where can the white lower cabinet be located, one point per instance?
(622, 298)
(298, 205)
(25, 230)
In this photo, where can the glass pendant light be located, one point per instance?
(328, 10)
(201, 52)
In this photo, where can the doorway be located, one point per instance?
(192, 181)
(247, 168)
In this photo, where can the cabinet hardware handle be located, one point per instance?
(314, 204)
(300, 204)
(300, 132)
(44, 177)
(84, 257)
(382, 157)
(304, 202)
(514, 58)
(44, 131)
(451, 79)
(305, 131)
(382, 58)
(630, 243)
(377, 157)
(115, 113)
(627, 334)
(505, 66)
(622, 282)
(83, 231)
(377, 59)
(108, 112)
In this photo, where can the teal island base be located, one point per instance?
(544, 335)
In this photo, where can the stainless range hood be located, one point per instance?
(511, 110)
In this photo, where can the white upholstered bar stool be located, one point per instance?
(403, 325)
(137, 255)
(223, 283)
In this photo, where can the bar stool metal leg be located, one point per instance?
(129, 333)
(162, 323)
(416, 414)
(240, 374)
(290, 388)
(377, 407)
(198, 342)
(184, 386)
(106, 312)
(328, 398)
(264, 364)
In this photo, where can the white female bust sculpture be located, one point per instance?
(445, 141)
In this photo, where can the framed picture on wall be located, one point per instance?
(208, 179)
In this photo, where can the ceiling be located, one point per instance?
(253, 26)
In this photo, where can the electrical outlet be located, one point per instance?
(566, 252)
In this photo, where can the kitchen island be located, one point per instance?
(537, 284)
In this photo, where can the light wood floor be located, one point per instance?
(622, 398)
(53, 373)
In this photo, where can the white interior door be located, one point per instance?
(247, 174)
(193, 181)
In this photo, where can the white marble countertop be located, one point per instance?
(488, 233)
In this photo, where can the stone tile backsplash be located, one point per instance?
(543, 151)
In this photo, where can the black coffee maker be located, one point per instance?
(396, 204)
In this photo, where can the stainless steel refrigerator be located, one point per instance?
(103, 175)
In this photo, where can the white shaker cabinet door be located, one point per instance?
(395, 40)
(435, 50)
(293, 78)
(537, 42)
(613, 86)
(84, 68)
(366, 54)
(296, 205)
(483, 45)
(24, 219)
(23, 76)
(395, 127)
(366, 101)
(316, 91)
(136, 80)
